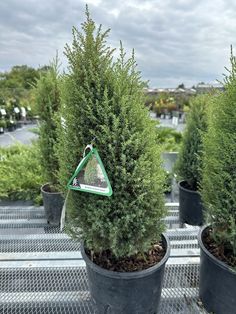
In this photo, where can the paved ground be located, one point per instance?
(168, 123)
(22, 135)
(25, 136)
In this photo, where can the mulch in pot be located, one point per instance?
(223, 253)
(136, 262)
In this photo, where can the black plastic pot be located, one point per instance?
(126, 293)
(53, 203)
(217, 288)
(18, 125)
(190, 206)
(11, 128)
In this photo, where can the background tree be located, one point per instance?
(189, 163)
(20, 77)
(47, 98)
(16, 87)
(182, 86)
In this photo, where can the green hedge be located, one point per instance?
(20, 173)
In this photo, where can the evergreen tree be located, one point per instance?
(219, 160)
(103, 99)
(47, 98)
(189, 161)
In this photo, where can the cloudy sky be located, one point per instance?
(175, 40)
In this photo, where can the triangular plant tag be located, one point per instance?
(90, 176)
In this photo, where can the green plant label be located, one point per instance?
(90, 176)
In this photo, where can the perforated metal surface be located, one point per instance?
(180, 290)
(63, 289)
(30, 212)
(39, 244)
(53, 279)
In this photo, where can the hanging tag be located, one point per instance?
(90, 175)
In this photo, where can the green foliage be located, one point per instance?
(16, 88)
(150, 100)
(183, 100)
(34, 130)
(20, 173)
(168, 182)
(47, 97)
(3, 124)
(10, 123)
(169, 139)
(164, 104)
(20, 76)
(189, 163)
(90, 173)
(219, 160)
(104, 99)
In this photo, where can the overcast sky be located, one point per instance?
(175, 40)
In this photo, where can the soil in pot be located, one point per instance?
(223, 253)
(132, 263)
(50, 189)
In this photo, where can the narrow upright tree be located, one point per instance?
(189, 163)
(219, 171)
(47, 97)
(104, 100)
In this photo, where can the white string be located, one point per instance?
(63, 212)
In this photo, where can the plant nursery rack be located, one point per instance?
(42, 270)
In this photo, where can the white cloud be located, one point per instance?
(175, 41)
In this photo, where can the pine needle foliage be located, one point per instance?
(103, 99)
(47, 97)
(219, 160)
(189, 163)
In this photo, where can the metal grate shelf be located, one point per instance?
(42, 271)
(63, 287)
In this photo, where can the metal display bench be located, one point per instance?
(42, 271)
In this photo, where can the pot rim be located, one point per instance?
(215, 260)
(186, 190)
(128, 275)
(50, 193)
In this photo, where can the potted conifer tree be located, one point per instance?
(124, 248)
(218, 239)
(47, 97)
(188, 165)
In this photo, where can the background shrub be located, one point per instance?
(189, 163)
(47, 98)
(169, 139)
(20, 173)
